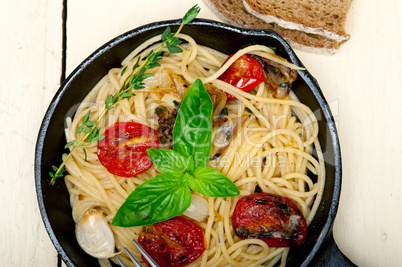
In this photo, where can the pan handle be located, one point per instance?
(329, 255)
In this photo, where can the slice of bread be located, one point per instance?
(234, 12)
(322, 17)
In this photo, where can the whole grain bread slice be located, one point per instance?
(322, 17)
(234, 12)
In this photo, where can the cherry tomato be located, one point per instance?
(245, 73)
(174, 242)
(274, 219)
(123, 150)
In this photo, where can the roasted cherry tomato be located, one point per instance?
(245, 73)
(123, 150)
(174, 242)
(274, 219)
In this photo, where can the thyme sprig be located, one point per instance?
(134, 81)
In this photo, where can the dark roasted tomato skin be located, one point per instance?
(123, 150)
(174, 242)
(245, 73)
(274, 219)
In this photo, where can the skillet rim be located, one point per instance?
(307, 77)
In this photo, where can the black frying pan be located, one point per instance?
(319, 248)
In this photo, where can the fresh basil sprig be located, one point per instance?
(184, 168)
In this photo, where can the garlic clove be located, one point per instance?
(198, 209)
(95, 236)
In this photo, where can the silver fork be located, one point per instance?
(133, 259)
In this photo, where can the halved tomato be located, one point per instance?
(245, 73)
(123, 150)
(174, 242)
(274, 219)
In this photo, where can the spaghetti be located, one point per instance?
(271, 150)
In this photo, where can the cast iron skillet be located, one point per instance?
(319, 249)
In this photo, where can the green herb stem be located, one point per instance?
(138, 72)
(79, 143)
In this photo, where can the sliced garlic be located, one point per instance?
(198, 209)
(95, 236)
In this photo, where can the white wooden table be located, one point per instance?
(361, 83)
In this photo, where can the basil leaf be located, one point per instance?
(157, 199)
(212, 183)
(188, 179)
(170, 162)
(192, 132)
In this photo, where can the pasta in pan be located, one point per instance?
(268, 149)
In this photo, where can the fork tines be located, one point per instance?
(133, 259)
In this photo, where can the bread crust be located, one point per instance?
(323, 17)
(234, 12)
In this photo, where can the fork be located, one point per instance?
(133, 259)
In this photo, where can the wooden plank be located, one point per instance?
(30, 50)
(88, 30)
(356, 80)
